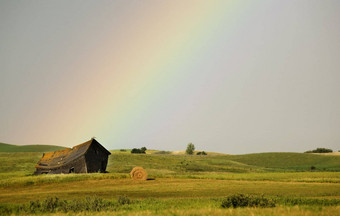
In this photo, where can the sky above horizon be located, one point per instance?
(229, 76)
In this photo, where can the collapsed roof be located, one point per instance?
(59, 158)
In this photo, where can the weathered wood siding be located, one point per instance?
(96, 159)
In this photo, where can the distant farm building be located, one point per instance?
(88, 157)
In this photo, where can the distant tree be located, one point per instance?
(135, 151)
(201, 153)
(190, 149)
(138, 151)
(143, 149)
(320, 150)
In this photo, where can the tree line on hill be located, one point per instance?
(138, 151)
(320, 150)
(190, 150)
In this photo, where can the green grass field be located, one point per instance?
(181, 185)
(28, 148)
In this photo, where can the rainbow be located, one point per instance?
(135, 65)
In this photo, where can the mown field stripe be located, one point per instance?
(165, 188)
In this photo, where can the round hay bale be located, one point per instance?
(138, 173)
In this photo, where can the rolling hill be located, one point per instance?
(166, 163)
(289, 161)
(29, 148)
(172, 162)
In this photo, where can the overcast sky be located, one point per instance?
(229, 76)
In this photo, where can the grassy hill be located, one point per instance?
(28, 148)
(176, 165)
(263, 162)
(289, 161)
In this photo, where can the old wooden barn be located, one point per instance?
(88, 157)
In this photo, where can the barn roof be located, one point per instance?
(64, 156)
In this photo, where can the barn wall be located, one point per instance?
(96, 159)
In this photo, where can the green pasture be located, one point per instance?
(28, 148)
(289, 161)
(179, 184)
(165, 165)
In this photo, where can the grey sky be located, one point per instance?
(262, 76)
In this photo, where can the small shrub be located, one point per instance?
(244, 200)
(123, 150)
(50, 204)
(124, 200)
(312, 168)
(201, 153)
(33, 206)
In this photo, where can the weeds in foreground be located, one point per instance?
(124, 200)
(245, 200)
(299, 201)
(54, 205)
